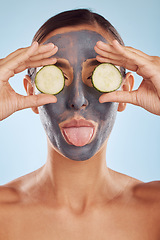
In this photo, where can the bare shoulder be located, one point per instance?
(146, 198)
(8, 194)
(9, 199)
(142, 201)
(149, 191)
(17, 190)
(146, 194)
(12, 203)
(10, 206)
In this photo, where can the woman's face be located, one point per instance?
(77, 125)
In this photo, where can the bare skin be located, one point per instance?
(53, 202)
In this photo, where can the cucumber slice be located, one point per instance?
(106, 77)
(50, 79)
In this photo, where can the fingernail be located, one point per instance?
(34, 43)
(54, 99)
(101, 100)
(54, 60)
(51, 44)
(116, 41)
(101, 43)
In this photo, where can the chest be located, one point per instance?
(62, 225)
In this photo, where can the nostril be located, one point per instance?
(77, 102)
(84, 105)
(77, 107)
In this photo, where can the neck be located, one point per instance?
(77, 184)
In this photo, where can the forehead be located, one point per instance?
(76, 43)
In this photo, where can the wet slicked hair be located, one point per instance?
(74, 18)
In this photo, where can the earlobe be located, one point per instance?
(29, 90)
(127, 85)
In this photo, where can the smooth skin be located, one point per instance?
(68, 199)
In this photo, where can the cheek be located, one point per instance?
(107, 111)
(107, 116)
(54, 113)
(103, 112)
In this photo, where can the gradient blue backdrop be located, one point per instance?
(134, 145)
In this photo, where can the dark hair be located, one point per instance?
(74, 18)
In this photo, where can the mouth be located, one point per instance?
(78, 132)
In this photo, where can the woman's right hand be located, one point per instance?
(34, 56)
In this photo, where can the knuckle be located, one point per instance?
(19, 103)
(35, 100)
(1, 61)
(129, 47)
(28, 55)
(135, 98)
(124, 62)
(155, 59)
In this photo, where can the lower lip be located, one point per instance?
(79, 140)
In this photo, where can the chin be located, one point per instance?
(77, 153)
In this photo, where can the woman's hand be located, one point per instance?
(148, 93)
(34, 56)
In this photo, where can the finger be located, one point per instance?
(17, 60)
(115, 58)
(138, 52)
(44, 49)
(35, 64)
(1, 61)
(12, 55)
(21, 58)
(116, 62)
(119, 96)
(133, 62)
(106, 47)
(46, 54)
(41, 49)
(112, 48)
(129, 56)
(35, 101)
(106, 54)
(8, 69)
(13, 63)
(108, 60)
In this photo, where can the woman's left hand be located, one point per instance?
(148, 93)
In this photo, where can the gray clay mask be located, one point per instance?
(79, 101)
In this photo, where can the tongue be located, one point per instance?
(78, 136)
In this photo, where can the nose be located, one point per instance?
(77, 99)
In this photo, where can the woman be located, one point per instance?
(75, 195)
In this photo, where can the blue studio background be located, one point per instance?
(134, 145)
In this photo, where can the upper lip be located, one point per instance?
(77, 123)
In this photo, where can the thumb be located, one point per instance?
(119, 96)
(35, 100)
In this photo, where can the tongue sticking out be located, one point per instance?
(78, 136)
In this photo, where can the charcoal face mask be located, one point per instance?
(77, 98)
